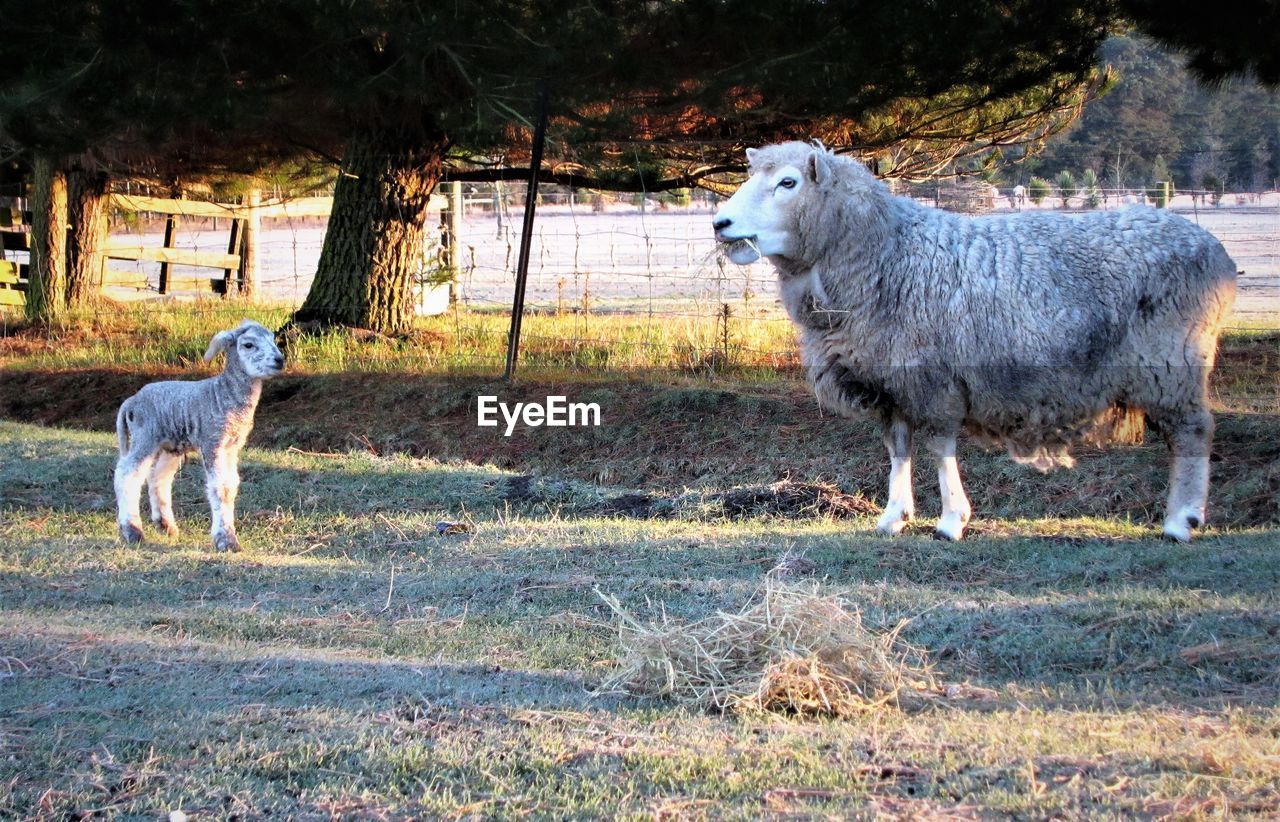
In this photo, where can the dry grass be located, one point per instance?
(789, 649)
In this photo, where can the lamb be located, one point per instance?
(1032, 331)
(158, 426)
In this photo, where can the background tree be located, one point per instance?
(1038, 189)
(1067, 187)
(1240, 38)
(1089, 185)
(1158, 122)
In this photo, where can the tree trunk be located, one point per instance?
(88, 210)
(373, 245)
(47, 288)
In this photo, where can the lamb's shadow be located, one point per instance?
(66, 477)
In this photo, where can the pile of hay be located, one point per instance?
(789, 649)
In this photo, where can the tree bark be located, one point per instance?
(47, 283)
(87, 212)
(373, 245)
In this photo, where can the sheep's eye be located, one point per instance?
(248, 345)
(787, 182)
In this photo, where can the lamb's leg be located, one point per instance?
(955, 505)
(221, 482)
(131, 473)
(160, 487)
(901, 506)
(1190, 439)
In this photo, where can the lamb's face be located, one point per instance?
(250, 348)
(259, 356)
(758, 220)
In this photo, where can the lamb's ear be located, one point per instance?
(218, 344)
(818, 167)
(751, 155)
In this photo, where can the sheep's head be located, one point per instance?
(784, 201)
(250, 345)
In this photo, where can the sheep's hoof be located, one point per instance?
(227, 542)
(1178, 527)
(891, 524)
(949, 529)
(170, 528)
(130, 533)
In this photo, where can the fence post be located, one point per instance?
(247, 276)
(235, 245)
(497, 205)
(452, 238)
(170, 228)
(526, 234)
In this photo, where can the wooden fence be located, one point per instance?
(13, 237)
(244, 219)
(236, 263)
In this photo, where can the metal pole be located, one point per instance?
(526, 234)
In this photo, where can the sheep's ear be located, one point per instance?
(751, 155)
(218, 344)
(817, 168)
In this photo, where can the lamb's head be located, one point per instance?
(251, 349)
(784, 200)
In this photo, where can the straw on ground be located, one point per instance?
(790, 648)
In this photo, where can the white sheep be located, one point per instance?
(1035, 331)
(158, 426)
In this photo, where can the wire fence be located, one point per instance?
(627, 281)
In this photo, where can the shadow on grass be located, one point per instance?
(46, 469)
(1159, 625)
(214, 729)
(662, 433)
(204, 678)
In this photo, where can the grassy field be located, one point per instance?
(751, 339)
(353, 661)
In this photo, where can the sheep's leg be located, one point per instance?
(160, 487)
(1190, 440)
(955, 505)
(221, 483)
(131, 474)
(901, 506)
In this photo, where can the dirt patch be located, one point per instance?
(785, 499)
(636, 505)
(794, 500)
(519, 489)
